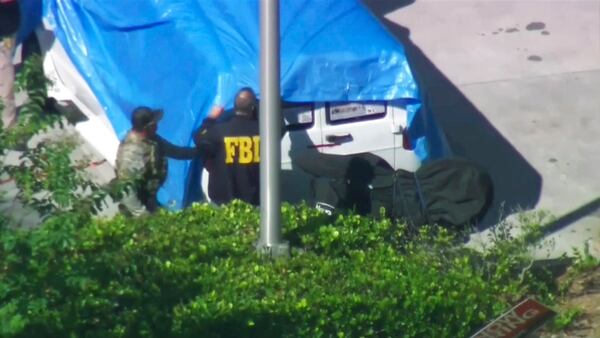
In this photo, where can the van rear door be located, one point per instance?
(303, 126)
(358, 127)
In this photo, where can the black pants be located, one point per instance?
(148, 199)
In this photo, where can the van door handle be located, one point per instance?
(339, 138)
(397, 129)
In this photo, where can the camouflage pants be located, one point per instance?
(131, 205)
(7, 77)
(137, 203)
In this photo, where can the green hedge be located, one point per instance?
(195, 274)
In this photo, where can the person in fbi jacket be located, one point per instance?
(231, 151)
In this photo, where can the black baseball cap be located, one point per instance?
(142, 117)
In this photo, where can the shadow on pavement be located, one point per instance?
(517, 184)
(573, 216)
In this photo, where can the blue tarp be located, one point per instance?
(187, 55)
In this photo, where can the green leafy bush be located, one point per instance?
(50, 182)
(566, 318)
(33, 114)
(195, 273)
(48, 179)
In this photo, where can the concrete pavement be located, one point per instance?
(515, 86)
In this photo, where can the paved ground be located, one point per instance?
(515, 85)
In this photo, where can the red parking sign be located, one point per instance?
(519, 321)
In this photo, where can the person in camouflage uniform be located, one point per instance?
(142, 161)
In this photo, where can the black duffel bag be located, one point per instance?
(450, 192)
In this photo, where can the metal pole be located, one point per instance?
(270, 132)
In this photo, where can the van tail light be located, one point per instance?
(406, 142)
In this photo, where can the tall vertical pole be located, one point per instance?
(270, 131)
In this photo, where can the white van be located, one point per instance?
(343, 129)
(349, 128)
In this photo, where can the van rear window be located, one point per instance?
(354, 112)
(298, 115)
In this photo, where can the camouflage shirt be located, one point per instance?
(138, 160)
(143, 160)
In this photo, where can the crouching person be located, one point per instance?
(142, 162)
